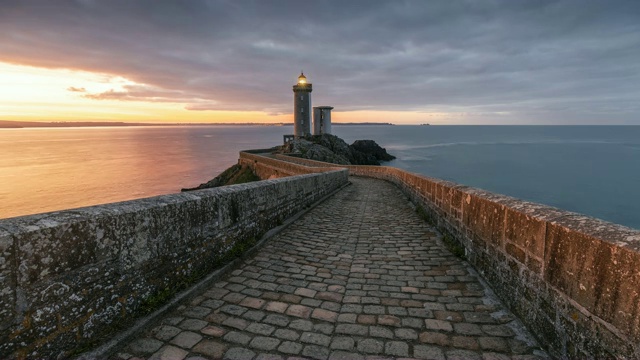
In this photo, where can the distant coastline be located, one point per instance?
(5, 124)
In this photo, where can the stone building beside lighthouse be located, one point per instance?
(322, 120)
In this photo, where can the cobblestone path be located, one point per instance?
(360, 276)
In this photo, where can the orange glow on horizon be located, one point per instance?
(36, 94)
(43, 95)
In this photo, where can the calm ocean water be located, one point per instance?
(594, 170)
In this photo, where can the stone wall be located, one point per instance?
(572, 279)
(271, 168)
(71, 277)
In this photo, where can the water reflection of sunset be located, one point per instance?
(52, 169)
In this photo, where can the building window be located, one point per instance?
(301, 110)
(301, 97)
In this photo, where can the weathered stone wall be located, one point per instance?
(70, 277)
(272, 168)
(572, 279)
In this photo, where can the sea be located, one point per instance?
(593, 170)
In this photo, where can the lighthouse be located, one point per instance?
(302, 107)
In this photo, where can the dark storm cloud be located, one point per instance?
(526, 61)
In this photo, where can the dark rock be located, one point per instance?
(332, 149)
(321, 153)
(334, 144)
(371, 147)
(236, 174)
(360, 158)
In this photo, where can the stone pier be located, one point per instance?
(360, 276)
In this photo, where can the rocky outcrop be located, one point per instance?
(236, 174)
(321, 153)
(330, 148)
(310, 150)
(327, 148)
(372, 148)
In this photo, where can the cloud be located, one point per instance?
(143, 93)
(76, 89)
(560, 59)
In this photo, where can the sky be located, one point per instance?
(405, 62)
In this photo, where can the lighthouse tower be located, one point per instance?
(302, 107)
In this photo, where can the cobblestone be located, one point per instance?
(290, 347)
(236, 323)
(169, 352)
(212, 349)
(315, 352)
(370, 346)
(279, 320)
(493, 344)
(396, 348)
(236, 337)
(342, 355)
(313, 338)
(438, 325)
(349, 329)
(264, 343)
(428, 352)
(303, 325)
(342, 343)
(261, 329)
(239, 354)
(406, 334)
(165, 332)
(193, 324)
(213, 331)
(361, 276)
(186, 339)
(347, 318)
(286, 334)
(389, 320)
(254, 315)
(467, 329)
(323, 328)
(379, 331)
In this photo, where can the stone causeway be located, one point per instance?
(360, 276)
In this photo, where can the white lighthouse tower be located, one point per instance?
(302, 107)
